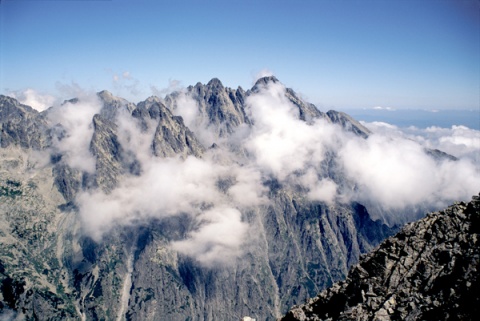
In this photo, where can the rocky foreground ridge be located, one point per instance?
(428, 271)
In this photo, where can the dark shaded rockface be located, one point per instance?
(50, 269)
(428, 271)
(112, 161)
(439, 155)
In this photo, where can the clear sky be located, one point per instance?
(338, 54)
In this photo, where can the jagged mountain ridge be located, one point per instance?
(299, 245)
(428, 271)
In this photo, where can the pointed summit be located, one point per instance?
(111, 104)
(215, 83)
(105, 95)
(266, 80)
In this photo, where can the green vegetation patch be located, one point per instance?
(11, 188)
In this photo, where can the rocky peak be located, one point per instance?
(105, 95)
(308, 112)
(22, 125)
(112, 105)
(220, 108)
(264, 81)
(152, 107)
(150, 101)
(9, 107)
(428, 271)
(215, 83)
(172, 137)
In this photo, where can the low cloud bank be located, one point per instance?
(398, 173)
(458, 141)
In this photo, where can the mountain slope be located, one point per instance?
(428, 271)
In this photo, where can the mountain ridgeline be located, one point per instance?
(111, 210)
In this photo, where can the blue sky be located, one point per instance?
(338, 54)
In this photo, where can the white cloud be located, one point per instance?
(459, 141)
(166, 187)
(383, 108)
(34, 99)
(288, 148)
(388, 169)
(397, 174)
(76, 121)
(279, 140)
(173, 85)
(323, 190)
(217, 239)
(126, 85)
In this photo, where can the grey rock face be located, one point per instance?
(311, 246)
(171, 136)
(68, 181)
(222, 108)
(113, 105)
(21, 125)
(110, 156)
(428, 271)
(33, 276)
(348, 123)
(439, 155)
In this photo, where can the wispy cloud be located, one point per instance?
(33, 98)
(125, 84)
(383, 108)
(260, 74)
(173, 85)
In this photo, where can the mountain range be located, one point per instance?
(210, 203)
